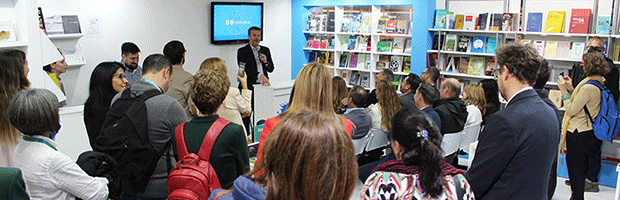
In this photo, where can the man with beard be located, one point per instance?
(130, 56)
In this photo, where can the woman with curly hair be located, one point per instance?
(12, 80)
(388, 105)
(473, 96)
(339, 87)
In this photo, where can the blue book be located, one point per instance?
(477, 44)
(491, 45)
(602, 25)
(534, 22)
(440, 18)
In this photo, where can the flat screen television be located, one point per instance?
(230, 21)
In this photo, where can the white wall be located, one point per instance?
(151, 24)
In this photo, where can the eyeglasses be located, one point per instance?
(496, 72)
(120, 76)
(594, 48)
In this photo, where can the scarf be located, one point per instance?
(399, 166)
(567, 118)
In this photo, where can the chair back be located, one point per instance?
(360, 143)
(378, 139)
(451, 142)
(470, 134)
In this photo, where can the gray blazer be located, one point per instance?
(361, 120)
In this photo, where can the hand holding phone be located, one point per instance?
(241, 69)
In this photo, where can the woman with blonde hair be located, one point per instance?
(309, 155)
(12, 80)
(388, 105)
(340, 94)
(473, 96)
(237, 104)
(312, 91)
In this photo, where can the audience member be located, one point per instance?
(48, 173)
(340, 94)
(382, 112)
(491, 94)
(356, 112)
(430, 75)
(408, 87)
(295, 163)
(229, 156)
(13, 79)
(130, 56)
(473, 96)
(237, 103)
(311, 92)
(54, 70)
(164, 113)
(582, 104)
(385, 74)
(181, 79)
(597, 44)
(450, 108)
(424, 98)
(419, 167)
(107, 79)
(12, 184)
(518, 143)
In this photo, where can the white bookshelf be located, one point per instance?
(462, 53)
(66, 36)
(318, 49)
(13, 44)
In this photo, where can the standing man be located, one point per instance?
(130, 56)
(257, 59)
(181, 79)
(384, 74)
(407, 88)
(518, 143)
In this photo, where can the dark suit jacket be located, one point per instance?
(245, 54)
(434, 116)
(406, 100)
(515, 151)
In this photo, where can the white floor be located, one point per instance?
(562, 192)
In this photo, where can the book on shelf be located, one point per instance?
(491, 45)
(438, 41)
(477, 66)
(331, 43)
(458, 21)
(7, 32)
(322, 25)
(53, 25)
(401, 26)
(345, 75)
(450, 19)
(616, 52)
(510, 22)
(311, 23)
(440, 18)
(463, 43)
(73, 55)
(345, 24)
(343, 60)
(331, 22)
(555, 22)
(450, 44)
(407, 48)
(396, 81)
(463, 63)
(534, 22)
(390, 26)
(551, 49)
(41, 21)
(399, 44)
(407, 64)
(382, 25)
(313, 56)
(322, 58)
(352, 42)
(603, 24)
(526, 42)
(365, 80)
(384, 46)
(468, 22)
(309, 41)
(452, 64)
(490, 66)
(381, 65)
(355, 77)
(324, 43)
(483, 21)
(431, 59)
(366, 23)
(362, 43)
(579, 20)
(344, 42)
(496, 21)
(478, 43)
(368, 62)
(354, 25)
(564, 49)
(316, 42)
(577, 50)
(361, 61)
(353, 61)
(396, 63)
(539, 45)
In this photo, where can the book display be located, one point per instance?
(364, 40)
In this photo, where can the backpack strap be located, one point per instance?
(585, 107)
(212, 134)
(148, 94)
(178, 134)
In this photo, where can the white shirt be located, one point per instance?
(49, 174)
(474, 117)
(374, 111)
(259, 64)
(521, 90)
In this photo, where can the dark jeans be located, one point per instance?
(365, 170)
(579, 161)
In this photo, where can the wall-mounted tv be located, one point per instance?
(230, 21)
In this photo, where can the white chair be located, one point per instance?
(451, 142)
(470, 134)
(377, 139)
(360, 143)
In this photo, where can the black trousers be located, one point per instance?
(579, 160)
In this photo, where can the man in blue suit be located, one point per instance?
(518, 144)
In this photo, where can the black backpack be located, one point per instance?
(124, 136)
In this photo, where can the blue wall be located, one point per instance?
(423, 15)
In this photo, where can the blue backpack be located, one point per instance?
(607, 122)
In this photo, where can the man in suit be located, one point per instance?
(356, 112)
(408, 87)
(424, 97)
(181, 79)
(257, 59)
(518, 143)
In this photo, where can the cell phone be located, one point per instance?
(241, 69)
(562, 74)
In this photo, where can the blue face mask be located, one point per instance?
(53, 134)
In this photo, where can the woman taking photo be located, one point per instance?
(382, 112)
(419, 171)
(582, 103)
(12, 80)
(107, 79)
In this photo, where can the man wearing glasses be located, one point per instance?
(611, 79)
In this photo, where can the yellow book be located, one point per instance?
(458, 22)
(555, 22)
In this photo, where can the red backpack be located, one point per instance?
(194, 177)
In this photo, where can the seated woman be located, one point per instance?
(339, 87)
(473, 96)
(48, 173)
(229, 156)
(107, 79)
(419, 171)
(388, 104)
(491, 95)
(308, 156)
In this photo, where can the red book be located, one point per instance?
(391, 26)
(579, 20)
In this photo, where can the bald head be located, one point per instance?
(450, 88)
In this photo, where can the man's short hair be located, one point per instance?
(414, 81)
(129, 47)
(254, 28)
(522, 61)
(34, 112)
(174, 50)
(429, 93)
(389, 75)
(543, 75)
(453, 88)
(599, 39)
(358, 95)
(433, 73)
(155, 63)
(209, 90)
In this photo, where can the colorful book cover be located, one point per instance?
(309, 41)
(510, 22)
(316, 43)
(384, 46)
(331, 44)
(468, 22)
(555, 22)
(407, 64)
(551, 49)
(345, 75)
(346, 23)
(534, 22)
(450, 42)
(343, 60)
(539, 45)
(491, 45)
(463, 63)
(401, 26)
(391, 26)
(477, 65)
(496, 21)
(478, 43)
(450, 19)
(353, 61)
(482, 21)
(382, 25)
(602, 25)
(322, 58)
(355, 22)
(579, 20)
(344, 42)
(312, 57)
(440, 18)
(577, 50)
(366, 22)
(352, 43)
(324, 43)
(563, 49)
(463, 43)
(490, 66)
(458, 21)
(399, 44)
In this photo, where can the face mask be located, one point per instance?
(53, 134)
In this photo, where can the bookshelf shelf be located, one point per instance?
(452, 74)
(465, 31)
(314, 49)
(66, 36)
(352, 33)
(351, 69)
(353, 51)
(14, 44)
(563, 59)
(391, 35)
(318, 32)
(461, 53)
(391, 53)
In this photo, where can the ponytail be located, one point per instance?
(430, 176)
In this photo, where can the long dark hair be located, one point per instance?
(101, 93)
(419, 151)
(490, 91)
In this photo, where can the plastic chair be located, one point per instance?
(451, 142)
(378, 139)
(360, 143)
(470, 134)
